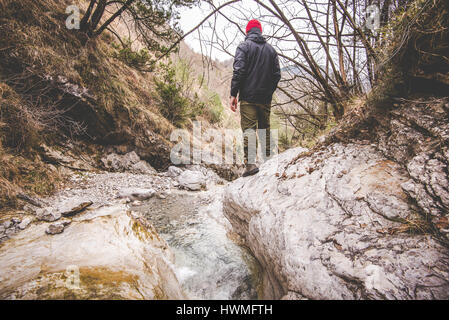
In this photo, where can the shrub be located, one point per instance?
(171, 102)
(215, 110)
(136, 59)
(284, 142)
(176, 100)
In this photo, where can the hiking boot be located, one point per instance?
(250, 170)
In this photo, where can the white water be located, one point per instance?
(207, 263)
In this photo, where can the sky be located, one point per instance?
(245, 10)
(189, 18)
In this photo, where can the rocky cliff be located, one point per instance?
(337, 224)
(355, 219)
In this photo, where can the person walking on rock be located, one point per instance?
(255, 78)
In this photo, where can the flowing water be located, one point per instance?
(207, 263)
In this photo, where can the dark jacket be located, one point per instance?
(256, 69)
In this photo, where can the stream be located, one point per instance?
(207, 263)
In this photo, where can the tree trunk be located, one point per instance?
(84, 23)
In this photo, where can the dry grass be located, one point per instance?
(35, 46)
(22, 175)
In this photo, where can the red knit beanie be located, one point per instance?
(253, 24)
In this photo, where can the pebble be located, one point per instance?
(55, 228)
(25, 222)
(65, 222)
(102, 189)
(45, 215)
(136, 193)
(7, 224)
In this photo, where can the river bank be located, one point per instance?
(144, 236)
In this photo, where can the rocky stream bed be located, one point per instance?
(140, 236)
(343, 222)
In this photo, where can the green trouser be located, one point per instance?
(255, 116)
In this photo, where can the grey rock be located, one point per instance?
(192, 180)
(72, 88)
(55, 156)
(55, 228)
(316, 225)
(75, 209)
(173, 171)
(113, 161)
(7, 224)
(9, 231)
(108, 240)
(137, 193)
(15, 220)
(128, 162)
(2, 229)
(25, 223)
(142, 167)
(46, 215)
(416, 134)
(210, 176)
(130, 158)
(161, 195)
(63, 158)
(65, 222)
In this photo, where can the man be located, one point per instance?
(255, 78)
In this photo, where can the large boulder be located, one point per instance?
(192, 180)
(104, 254)
(130, 162)
(336, 224)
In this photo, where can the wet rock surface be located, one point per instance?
(207, 263)
(102, 225)
(328, 225)
(104, 254)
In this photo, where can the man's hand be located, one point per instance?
(233, 104)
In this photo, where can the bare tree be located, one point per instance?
(326, 52)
